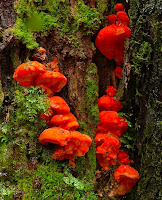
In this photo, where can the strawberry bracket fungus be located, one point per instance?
(69, 143)
(63, 124)
(110, 42)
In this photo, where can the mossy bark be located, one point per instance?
(145, 87)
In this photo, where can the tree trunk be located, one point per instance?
(88, 73)
(145, 79)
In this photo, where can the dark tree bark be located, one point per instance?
(146, 62)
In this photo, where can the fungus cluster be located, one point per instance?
(110, 129)
(34, 73)
(62, 123)
(110, 40)
(108, 152)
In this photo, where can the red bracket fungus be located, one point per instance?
(69, 143)
(122, 18)
(106, 152)
(51, 82)
(111, 91)
(26, 73)
(53, 65)
(111, 120)
(112, 19)
(119, 7)
(108, 104)
(118, 72)
(110, 42)
(65, 121)
(58, 105)
(123, 158)
(127, 177)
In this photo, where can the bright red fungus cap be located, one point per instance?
(123, 157)
(123, 19)
(111, 121)
(69, 143)
(118, 72)
(55, 135)
(111, 91)
(26, 73)
(71, 125)
(51, 82)
(61, 119)
(66, 121)
(112, 19)
(127, 177)
(77, 145)
(110, 42)
(58, 105)
(107, 103)
(107, 152)
(119, 7)
(120, 13)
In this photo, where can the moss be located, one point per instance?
(89, 106)
(37, 18)
(19, 131)
(91, 98)
(20, 152)
(1, 95)
(86, 19)
(50, 182)
(102, 7)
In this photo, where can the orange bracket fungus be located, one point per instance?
(112, 19)
(123, 158)
(106, 152)
(118, 72)
(66, 121)
(110, 40)
(26, 73)
(69, 143)
(111, 91)
(58, 105)
(51, 82)
(108, 104)
(127, 177)
(53, 65)
(119, 7)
